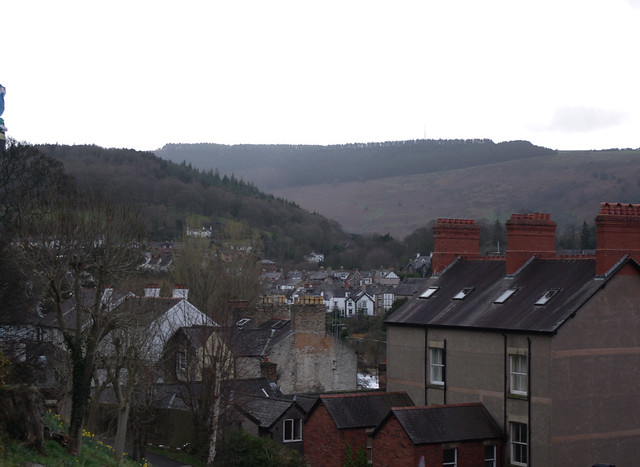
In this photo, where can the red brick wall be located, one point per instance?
(453, 238)
(528, 235)
(392, 447)
(324, 444)
(618, 227)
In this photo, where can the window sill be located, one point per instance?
(522, 397)
(435, 386)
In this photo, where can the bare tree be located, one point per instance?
(76, 247)
(125, 355)
(217, 271)
(220, 269)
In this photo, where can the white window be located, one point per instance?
(518, 435)
(505, 295)
(450, 457)
(429, 292)
(291, 430)
(518, 381)
(463, 293)
(548, 295)
(436, 365)
(181, 361)
(490, 455)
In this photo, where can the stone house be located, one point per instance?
(463, 435)
(289, 344)
(547, 343)
(336, 420)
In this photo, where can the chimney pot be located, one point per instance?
(529, 235)
(618, 231)
(453, 238)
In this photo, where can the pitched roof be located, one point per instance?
(364, 409)
(447, 423)
(265, 410)
(573, 282)
(256, 341)
(252, 387)
(410, 286)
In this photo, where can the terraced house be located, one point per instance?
(549, 344)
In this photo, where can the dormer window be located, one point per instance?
(505, 295)
(463, 293)
(429, 292)
(548, 295)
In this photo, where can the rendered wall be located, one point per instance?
(596, 357)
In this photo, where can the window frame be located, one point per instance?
(181, 361)
(463, 293)
(518, 374)
(490, 457)
(429, 292)
(506, 295)
(293, 423)
(548, 295)
(518, 428)
(440, 366)
(453, 463)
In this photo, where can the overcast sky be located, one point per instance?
(139, 74)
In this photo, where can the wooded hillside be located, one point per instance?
(278, 166)
(176, 196)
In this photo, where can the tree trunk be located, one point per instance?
(213, 436)
(82, 371)
(121, 432)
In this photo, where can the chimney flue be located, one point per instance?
(180, 291)
(152, 291)
(529, 235)
(618, 229)
(453, 238)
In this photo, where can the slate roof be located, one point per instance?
(253, 387)
(265, 410)
(197, 335)
(364, 409)
(447, 423)
(574, 280)
(256, 341)
(410, 286)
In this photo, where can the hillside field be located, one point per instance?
(570, 185)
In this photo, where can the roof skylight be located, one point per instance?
(429, 292)
(548, 295)
(505, 295)
(463, 293)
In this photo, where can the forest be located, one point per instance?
(175, 196)
(280, 166)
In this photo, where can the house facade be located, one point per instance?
(336, 420)
(291, 343)
(462, 435)
(547, 343)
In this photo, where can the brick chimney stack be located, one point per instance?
(618, 228)
(453, 238)
(529, 235)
